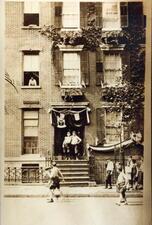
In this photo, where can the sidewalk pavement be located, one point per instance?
(43, 191)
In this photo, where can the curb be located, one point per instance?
(79, 195)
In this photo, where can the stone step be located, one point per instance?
(75, 183)
(77, 178)
(73, 165)
(72, 170)
(59, 162)
(75, 173)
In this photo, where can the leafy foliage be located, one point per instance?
(130, 97)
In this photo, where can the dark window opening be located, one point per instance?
(99, 67)
(30, 173)
(124, 9)
(58, 11)
(31, 75)
(31, 19)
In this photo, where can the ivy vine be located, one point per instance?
(130, 97)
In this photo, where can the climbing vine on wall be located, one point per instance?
(130, 97)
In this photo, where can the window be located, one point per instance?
(70, 17)
(112, 69)
(111, 16)
(31, 13)
(71, 69)
(113, 129)
(99, 63)
(30, 132)
(124, 14)
(30, 173)
(31, 68)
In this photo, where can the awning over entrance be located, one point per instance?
(69, 117)
(111, 147)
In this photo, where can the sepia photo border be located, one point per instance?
(147, 195)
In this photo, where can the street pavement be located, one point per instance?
(42, 191)
(71, 211)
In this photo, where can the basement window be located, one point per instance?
(30, 173)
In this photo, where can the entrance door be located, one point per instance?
(60, 133)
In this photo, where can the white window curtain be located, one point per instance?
(111, 15)
(31, 63)
(30, 123)
(112, 69)
(113, 130)
(71, 67)
(70, 15)
(31, 7)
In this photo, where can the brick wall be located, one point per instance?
(17, 39)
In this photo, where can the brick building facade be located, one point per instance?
(68, 81)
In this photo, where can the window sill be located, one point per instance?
(31, 27)
(114, 86)
(71, 29)
(69, 48)
(70, 87)
(111, 29)
(30, 87)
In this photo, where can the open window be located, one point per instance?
(31, 68)
(71, 15)
(111, 16)
(112, 69)
(31, 13)
(30, 131)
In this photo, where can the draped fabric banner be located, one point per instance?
(111, 147)
(70, 118)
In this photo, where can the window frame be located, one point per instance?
(31, 73)
(104, 69)
(124, 6)
(25, 137)
(78, 18)
(121, 128)
(119, 17)
(79, 73)
(31, 13)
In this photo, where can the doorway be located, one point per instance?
(60, 133)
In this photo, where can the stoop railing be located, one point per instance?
(14, 175)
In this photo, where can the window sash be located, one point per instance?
(31, 114)
(111, 15)
(71, 69)
(31, 145)
(112, 61)
(113, 119)
(70, 16)
(31, 123)
(31, 7)
(112, 69)
(31, 63)
(30, 131)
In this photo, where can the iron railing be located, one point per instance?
(14, 175)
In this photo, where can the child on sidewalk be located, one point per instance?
(54, 175)
(121, 185)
